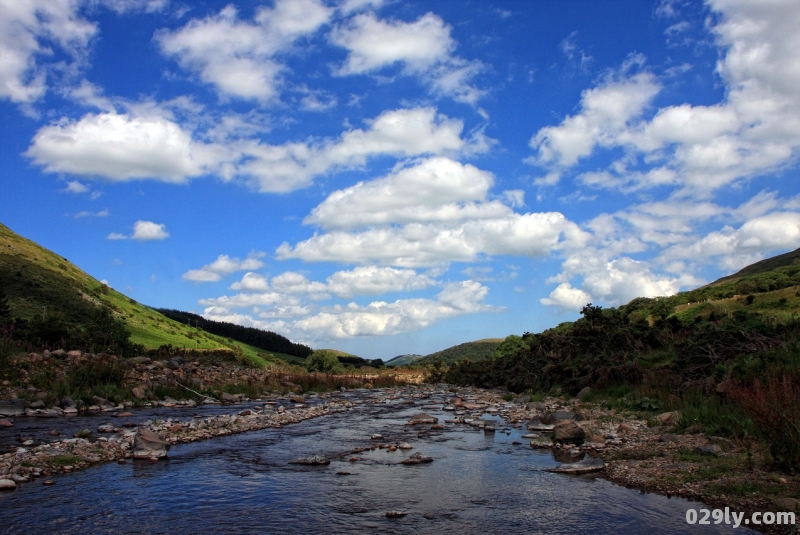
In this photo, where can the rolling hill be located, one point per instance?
(475, 351)
(403, 360)
(43, 288)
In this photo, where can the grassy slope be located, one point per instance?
(475, 351)
(764, 266)
(35, 278)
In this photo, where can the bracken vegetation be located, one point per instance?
(727, 356)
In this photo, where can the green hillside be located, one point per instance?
(403, 360)
(474, 351)
(47, 292)
(736, 327)
(764, 266)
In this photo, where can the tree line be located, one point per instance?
(266, 340)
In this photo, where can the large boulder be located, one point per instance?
(7, 484)
(12, 407)
(568, 432)
(148, 444)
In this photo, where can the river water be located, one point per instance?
(477, 483)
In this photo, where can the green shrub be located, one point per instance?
(94, 378)
(323, 361)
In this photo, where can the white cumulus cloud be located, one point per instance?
(239, 57)
(117, 147)
(223, 266)
(423, 48)
(28, 30)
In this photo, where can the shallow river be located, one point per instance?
(477, 483)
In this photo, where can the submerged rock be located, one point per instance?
(417, 458)
(315, 460)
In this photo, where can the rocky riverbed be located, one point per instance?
(583, 437)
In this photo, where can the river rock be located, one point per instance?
(787, 504)
(590, 464)
(105, 428)
(625, 428)
(175, 363)
(710, 449)
(559, 416)
(541, 442)
(229, 398)
(103, 403)
(668, 418)
(536, 406)
(12, 407)
(405, 446)
(58, 353)
(417, 458)
(148, 444)
(7, 484)
(395, 514)
(138, 392)
(6, 423)
(568, 432)
(38, 404)
(315, 460)
(422, 418)
(537, 425)
(67, 402)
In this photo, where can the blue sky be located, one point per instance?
(389, 177)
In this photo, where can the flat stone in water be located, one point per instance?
(423, 418)
(315, 460)
(590, 464)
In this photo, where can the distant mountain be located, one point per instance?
(403, 360)
(475, 351)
